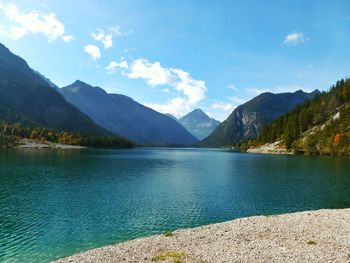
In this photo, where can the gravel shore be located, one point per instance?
(315, 236)
(270, 148)
(32, 144)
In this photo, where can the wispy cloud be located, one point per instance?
(232, 87)
(294, 39)
(21, 23)
(106, 36)
(68, 38)
(113, 66)
(105, 39)
(118, 31)
(93, 51)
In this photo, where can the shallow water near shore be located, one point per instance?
(54, 203)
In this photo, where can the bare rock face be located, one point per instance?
(246, 120)
(251, 124)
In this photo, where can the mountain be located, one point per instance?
(25, 96)
(198, 123)
(319, 126)
(247, 119)
(171, 116)
(122, 115)
(48, 81)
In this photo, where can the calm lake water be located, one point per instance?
(57, 203)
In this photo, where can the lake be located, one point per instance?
(54, 203)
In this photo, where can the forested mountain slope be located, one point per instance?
(320, 126)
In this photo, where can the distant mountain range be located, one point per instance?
(29, 98)
(25, 96)
(198, 123)
(124, 116)
(247, 119)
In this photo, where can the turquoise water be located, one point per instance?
(56, 203)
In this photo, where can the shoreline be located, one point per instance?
(270, 148)
(311, 236)
(33, 144)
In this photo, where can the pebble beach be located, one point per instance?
(312, 236)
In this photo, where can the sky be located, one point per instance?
(176, 56)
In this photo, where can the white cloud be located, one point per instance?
(93, 51)
(193, 89)
(22, 23)
(105, 39)
(17, 32)
(189, 90)
(294, 39)
(177, 107)
(154, 74)
(117, 31)
(68, 38)
(113, 66)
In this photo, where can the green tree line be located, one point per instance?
(11, 135)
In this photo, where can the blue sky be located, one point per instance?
(176, 56)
